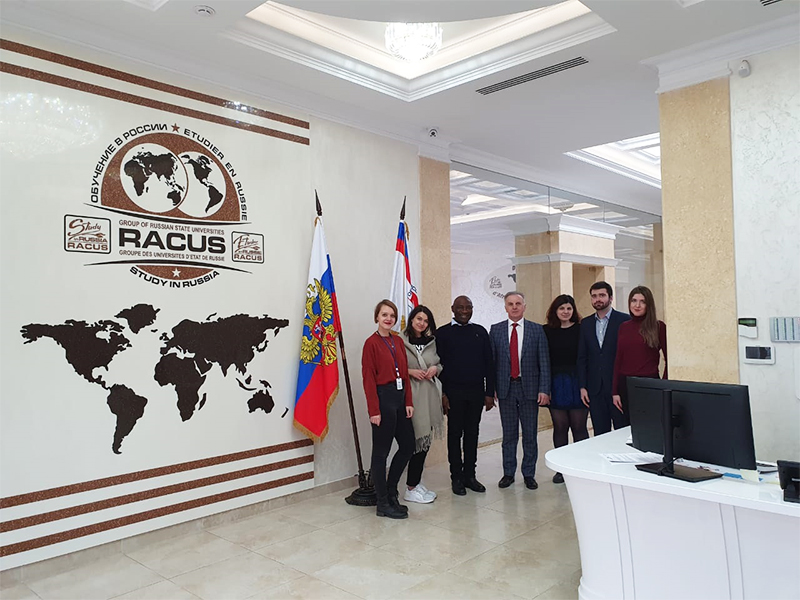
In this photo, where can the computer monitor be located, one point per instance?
(710, 423)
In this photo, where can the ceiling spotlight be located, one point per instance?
(413, 41)
(204, 11)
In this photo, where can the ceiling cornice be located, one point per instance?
(581, 259)
(566, 223)
(274, 41)
(614, 167)
(709, 60)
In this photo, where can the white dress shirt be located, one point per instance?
(520, 333)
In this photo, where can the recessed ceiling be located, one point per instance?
(637, 158)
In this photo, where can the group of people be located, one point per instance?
(574, 367)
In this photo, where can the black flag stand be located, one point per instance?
(365, 494)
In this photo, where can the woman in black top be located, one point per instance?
(566, 408)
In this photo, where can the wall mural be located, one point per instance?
(154, 243)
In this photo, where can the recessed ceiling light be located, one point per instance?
(204, 11)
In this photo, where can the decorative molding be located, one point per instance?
(614, 167)
(709, 60)
(537, 45)
(580, 259)
(566, 223)
(153, 5)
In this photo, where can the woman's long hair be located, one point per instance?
(410, 333)
(552, 319)
(649, 326)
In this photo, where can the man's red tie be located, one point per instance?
(514, 352)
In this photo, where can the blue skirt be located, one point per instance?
(566, 393)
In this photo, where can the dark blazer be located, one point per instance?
(534, 362)
(595, 364)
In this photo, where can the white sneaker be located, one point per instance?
(417, 495)
(430, 493)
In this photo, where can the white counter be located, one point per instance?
(644, 536)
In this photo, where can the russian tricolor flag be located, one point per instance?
(403, 293)
(318, 376)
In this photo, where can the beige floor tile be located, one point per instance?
(516, 572)
(314, 551)
(237, 577)
(490, 525)
(305, 588)
(439, 549)
(448, 586)
(375, 575)
(19, 591)
(378, 531)
(324, 511)
(491, 495)
(439, 512)
(262, 530)
(170, 558)
(105, 578)
(544, 504)
(567, 590)
(164, 590)
(551, 542)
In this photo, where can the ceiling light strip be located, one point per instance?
(567, 64)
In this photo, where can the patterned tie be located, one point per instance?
(514, 352)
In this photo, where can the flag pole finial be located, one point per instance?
(319, 206)
(403, 210)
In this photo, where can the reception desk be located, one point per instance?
(644, 536)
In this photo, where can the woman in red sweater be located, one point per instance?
(384, 368)
(638, 345)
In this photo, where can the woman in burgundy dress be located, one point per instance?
(639, 344)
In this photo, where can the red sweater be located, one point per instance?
(377, 368)
(634, 357)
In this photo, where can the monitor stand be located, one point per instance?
(668, 468)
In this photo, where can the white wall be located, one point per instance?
(765, 121)
(470, 273)
(361, 179)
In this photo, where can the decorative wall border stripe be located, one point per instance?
(90, 88)
(95, 484)
(75, 63)
(82, 509)
(72, 534)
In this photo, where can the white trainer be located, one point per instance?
(426, 491)
(417, 495)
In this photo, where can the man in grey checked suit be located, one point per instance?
(522, 385)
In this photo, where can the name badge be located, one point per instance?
(399, 382)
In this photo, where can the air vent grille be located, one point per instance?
(562, 66)
(768, 2)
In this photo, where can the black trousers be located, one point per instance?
(394, 426)
(463, 422)
(415, 466)
(604, 413)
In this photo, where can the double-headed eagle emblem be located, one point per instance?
(319, 345)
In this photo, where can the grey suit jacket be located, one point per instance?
(534, 362)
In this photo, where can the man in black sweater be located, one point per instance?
(467, 386)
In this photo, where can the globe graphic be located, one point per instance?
(207, 185)
(153, 178)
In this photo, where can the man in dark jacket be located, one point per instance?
(597, 349)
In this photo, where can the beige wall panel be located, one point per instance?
(587, 245)
(537, 243)
(697, 198)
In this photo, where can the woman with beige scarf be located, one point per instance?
(424, 368)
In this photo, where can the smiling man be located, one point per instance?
(522, 364)
(468, 387)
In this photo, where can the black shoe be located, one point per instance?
(394, 502)
(474, 485)
(531, 484)
(506, 481)
(458, 488)
(385, 509)
(558, 478)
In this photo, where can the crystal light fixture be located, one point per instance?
(413, 41)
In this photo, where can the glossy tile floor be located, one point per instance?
(512, 543)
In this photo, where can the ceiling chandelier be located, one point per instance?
(413, 41)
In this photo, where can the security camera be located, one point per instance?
(433, 132)
(744, 69)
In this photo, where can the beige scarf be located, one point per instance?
(428, 419)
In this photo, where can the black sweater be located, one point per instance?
(466, 354)
(563, 344)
